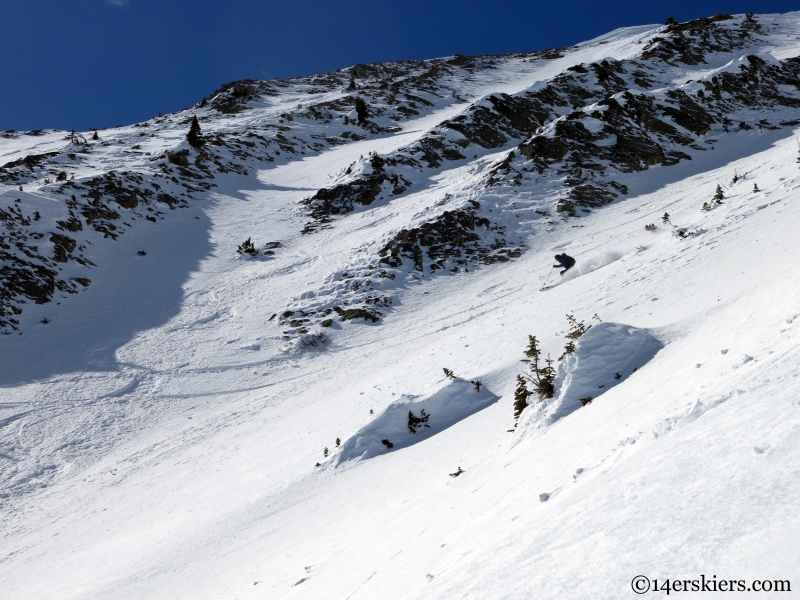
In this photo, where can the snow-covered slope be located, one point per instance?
(196, 423)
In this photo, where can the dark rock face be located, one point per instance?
(458, 236)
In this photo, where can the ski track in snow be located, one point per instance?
(159, 439)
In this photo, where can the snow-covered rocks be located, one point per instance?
(411, 420)
(606, 356)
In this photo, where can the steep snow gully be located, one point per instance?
(330, 413)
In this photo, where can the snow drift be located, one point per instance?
(451, 404)
(606, 356)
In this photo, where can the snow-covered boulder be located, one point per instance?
(605, 356)
(451, 404)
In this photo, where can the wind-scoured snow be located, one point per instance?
(161, 424)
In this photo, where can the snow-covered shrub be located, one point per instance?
(312, 340)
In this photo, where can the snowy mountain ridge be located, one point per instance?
(181, 420)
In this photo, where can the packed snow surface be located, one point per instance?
(160, 431)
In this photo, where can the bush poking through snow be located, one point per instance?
(585, 401)
(449, 374)
(477, 383)
(755, 188)
(457, 473)
(312, 340)
(417, 422)
(247, 247)
(651, 227)
(387, 443)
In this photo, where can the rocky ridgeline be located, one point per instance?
(632, 128)
(241, 133)
(586, 130)
(588, 127)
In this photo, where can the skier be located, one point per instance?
(564, 261)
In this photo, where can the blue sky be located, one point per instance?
(75, 64)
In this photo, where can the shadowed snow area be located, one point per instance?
(456, 401)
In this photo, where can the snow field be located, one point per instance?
(176, 458)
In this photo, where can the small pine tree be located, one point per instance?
(755, 188)
(477, 383)
(195, 136)
(706, 207)
(361, 110)
(95, 137)
(449, 374)
(576, 330)
(542, 377)
(585, 401)
(352, 85)
(387, 443)
(325, 452)
(651, 227)
(665, 219)
(338, 442)
(718, 195)
(247, 247)
(568, 349)
(735, 178)
(417, 422)
(521, 396)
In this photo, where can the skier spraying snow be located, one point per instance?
(565, 261)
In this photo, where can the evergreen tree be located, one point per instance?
(195, 136)
(521, 396)
(719, 195)
(542, 377)
(755, 188)
(361, 110)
